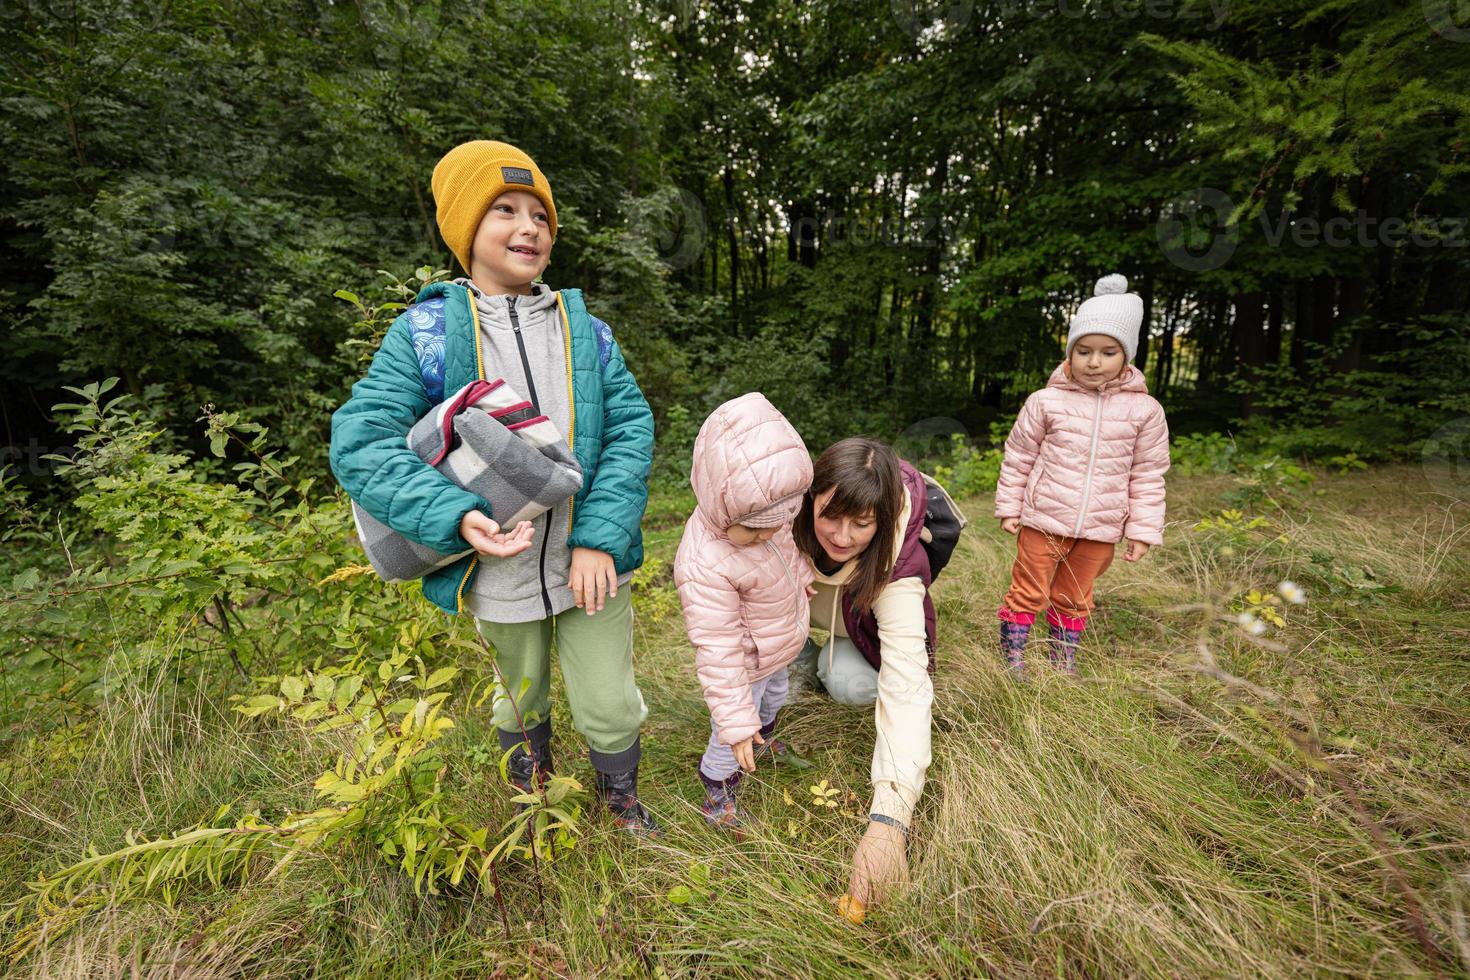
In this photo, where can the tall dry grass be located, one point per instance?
(1298, 808)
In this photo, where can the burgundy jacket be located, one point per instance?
(912, 561)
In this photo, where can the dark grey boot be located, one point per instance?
(616, 781)
(529, 768)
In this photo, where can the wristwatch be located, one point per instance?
(890, 821)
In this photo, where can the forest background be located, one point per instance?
(878, 212)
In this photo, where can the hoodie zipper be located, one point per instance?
(515, 325)
(1091, 465)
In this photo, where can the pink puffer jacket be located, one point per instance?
(746, 608)
(1088, 464)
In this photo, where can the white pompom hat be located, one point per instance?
(1111, 310)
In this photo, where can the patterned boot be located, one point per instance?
(528, 768)
(720, 809)
(1066, 632)
(619, 793)
(1013, 638)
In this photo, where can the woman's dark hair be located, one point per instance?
(867, 481)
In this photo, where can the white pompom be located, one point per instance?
(1113, 285)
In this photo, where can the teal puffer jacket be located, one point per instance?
(612, 435)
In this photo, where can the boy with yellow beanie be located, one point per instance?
(565, 574)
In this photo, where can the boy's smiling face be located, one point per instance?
(512, 245)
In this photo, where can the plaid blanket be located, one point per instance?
(491, 441)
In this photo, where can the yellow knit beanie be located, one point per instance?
(469, 178)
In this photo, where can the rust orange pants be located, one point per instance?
(1056, 570)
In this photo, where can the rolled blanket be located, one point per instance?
(491, 441)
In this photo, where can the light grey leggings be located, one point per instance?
(842, 669)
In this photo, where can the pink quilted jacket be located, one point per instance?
(745, 608)
(1088, 464)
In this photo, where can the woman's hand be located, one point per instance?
(1010, 525)
(879, 866)
(745, 751)
(485, 536)
(593, 579)
(1136, 550)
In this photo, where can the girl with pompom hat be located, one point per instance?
(1084, 468)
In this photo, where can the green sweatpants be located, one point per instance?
(596, 654)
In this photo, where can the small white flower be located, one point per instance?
(1251, 624)
(1292, 592)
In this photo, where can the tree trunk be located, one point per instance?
(1273, 326)
(1146, 293)
(1249, 341)
(729, 181)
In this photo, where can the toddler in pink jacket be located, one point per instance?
(1084, 468)
(743, 585)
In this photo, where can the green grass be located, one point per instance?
(1150, 819)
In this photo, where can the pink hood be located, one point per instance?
(745, 608)
(1088, 464)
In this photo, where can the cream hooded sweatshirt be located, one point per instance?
(904, 709)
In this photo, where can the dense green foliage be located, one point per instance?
(878, 213)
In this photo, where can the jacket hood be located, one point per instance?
(747, 458)
(1130, 380)
(540, 298)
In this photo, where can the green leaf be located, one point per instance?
(333, 723)
(311, 710)
(258, 705)
(347, 689)
(349, 296)
(680, 894)
(294, 688)
(322, 687)
(441, 676)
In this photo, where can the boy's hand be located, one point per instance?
(593, 579)
(485, 536)
(1136, 550)
(745, 751)
(1010, 525)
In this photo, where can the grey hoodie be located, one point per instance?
(518, 333)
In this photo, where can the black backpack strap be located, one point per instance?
(943, 522)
